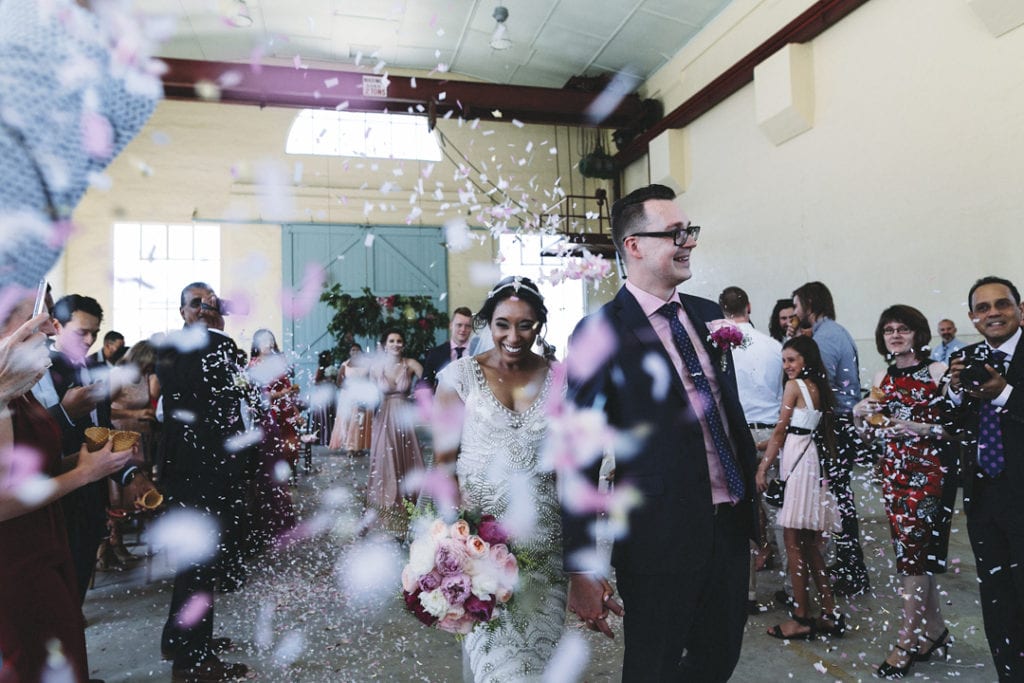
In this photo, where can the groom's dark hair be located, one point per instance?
(628, 214)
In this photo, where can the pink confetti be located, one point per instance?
(298, 304)
(97, 135)
(194, 609)
(589, 348)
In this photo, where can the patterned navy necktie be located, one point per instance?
(990, 432)
(733, 478)
(459, 350)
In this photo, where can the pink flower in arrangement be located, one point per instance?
(460, 530)
(430, 581)
(412, 602)
(463, 624)
(456, 588)
(477, 547)
(491, 531)
(480, 610)
(451, 557)
(725, 336)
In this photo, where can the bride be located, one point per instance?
(503, 392)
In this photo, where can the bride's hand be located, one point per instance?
(590, 598)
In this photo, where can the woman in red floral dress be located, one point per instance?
(902, 413)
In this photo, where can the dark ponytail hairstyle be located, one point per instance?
(814, 372)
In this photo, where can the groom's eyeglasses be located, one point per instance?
(680, 235)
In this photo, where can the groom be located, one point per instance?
(682, 568)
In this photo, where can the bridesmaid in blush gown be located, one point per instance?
(394, 450)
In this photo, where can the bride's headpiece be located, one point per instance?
(516, 283)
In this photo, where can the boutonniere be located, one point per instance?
(725, 336)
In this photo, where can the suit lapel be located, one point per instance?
(636, 325)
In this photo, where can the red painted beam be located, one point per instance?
(281, 86)
(814, 21)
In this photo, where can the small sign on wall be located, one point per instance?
(375, 86)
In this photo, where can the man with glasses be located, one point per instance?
(813, 304)
(198, 368)
(682, 566)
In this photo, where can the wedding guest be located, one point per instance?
(323, 397)
(437, 358)
(277, 416)
(983, 390)
(902, 412)
(39, 594)
(947, 331)
(353, 425)
(395, 450)
(682, 567)
(201, 473)
(502, 394)
(110, 353)
(806, 440)
(758, 371)
(779, 323)
(812, 303)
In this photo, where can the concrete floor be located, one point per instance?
(328, 610)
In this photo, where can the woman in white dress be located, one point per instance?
(804, 435)
(503, 392)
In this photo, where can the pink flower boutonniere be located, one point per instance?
(725, 336)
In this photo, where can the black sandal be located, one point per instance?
(776, 631)
(892, 673)
(837, 627)
(943, 641)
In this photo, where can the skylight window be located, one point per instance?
(351, 134)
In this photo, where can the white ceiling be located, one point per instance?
(552, 40)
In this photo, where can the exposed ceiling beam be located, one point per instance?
(281, 86)
(814, 21)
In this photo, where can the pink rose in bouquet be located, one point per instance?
(450, 557)
(491, 531)
(458, 575)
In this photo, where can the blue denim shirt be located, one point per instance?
(839, 354)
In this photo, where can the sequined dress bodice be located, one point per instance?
(498, 473)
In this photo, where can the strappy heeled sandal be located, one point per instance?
(892, 673)
(943, 641)
(776, 631)
(837, 628)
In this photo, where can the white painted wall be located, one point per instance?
(907, 188)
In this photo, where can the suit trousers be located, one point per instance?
(849, 556)
(995, 524)
(188, 631)
(699, 610)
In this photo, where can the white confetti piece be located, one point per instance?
(187, 535)
(569, 661)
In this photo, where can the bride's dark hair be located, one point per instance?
(522, 288)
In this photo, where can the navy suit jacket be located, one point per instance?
(673, 526)
(964, 423)
(202, 412)
(436, 360)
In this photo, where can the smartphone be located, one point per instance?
(40, 305)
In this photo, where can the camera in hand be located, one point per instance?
(975, 373)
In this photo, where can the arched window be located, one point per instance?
(352, 134)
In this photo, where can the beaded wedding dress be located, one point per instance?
(497, 468)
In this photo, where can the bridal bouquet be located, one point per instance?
(725, 336)
(459, 574)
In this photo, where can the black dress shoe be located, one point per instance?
(209, 670)
(217, 645)
(753, 607)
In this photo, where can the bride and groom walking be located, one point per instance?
(682, 566)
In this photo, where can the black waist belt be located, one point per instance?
(799, 430)
(760, 425)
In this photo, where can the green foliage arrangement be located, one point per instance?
(368, 315)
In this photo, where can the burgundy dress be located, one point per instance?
(912, 475)
(38, 593)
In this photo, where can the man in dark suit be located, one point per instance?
(198, 369)
(113, 350)
(682, 567)
(78, 400)
(437, 358)
(987, 410)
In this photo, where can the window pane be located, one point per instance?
(152, 242)
(179, 242)
(377, 135)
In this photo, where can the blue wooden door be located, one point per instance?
(395, 260)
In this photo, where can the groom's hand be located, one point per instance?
(590, 598)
